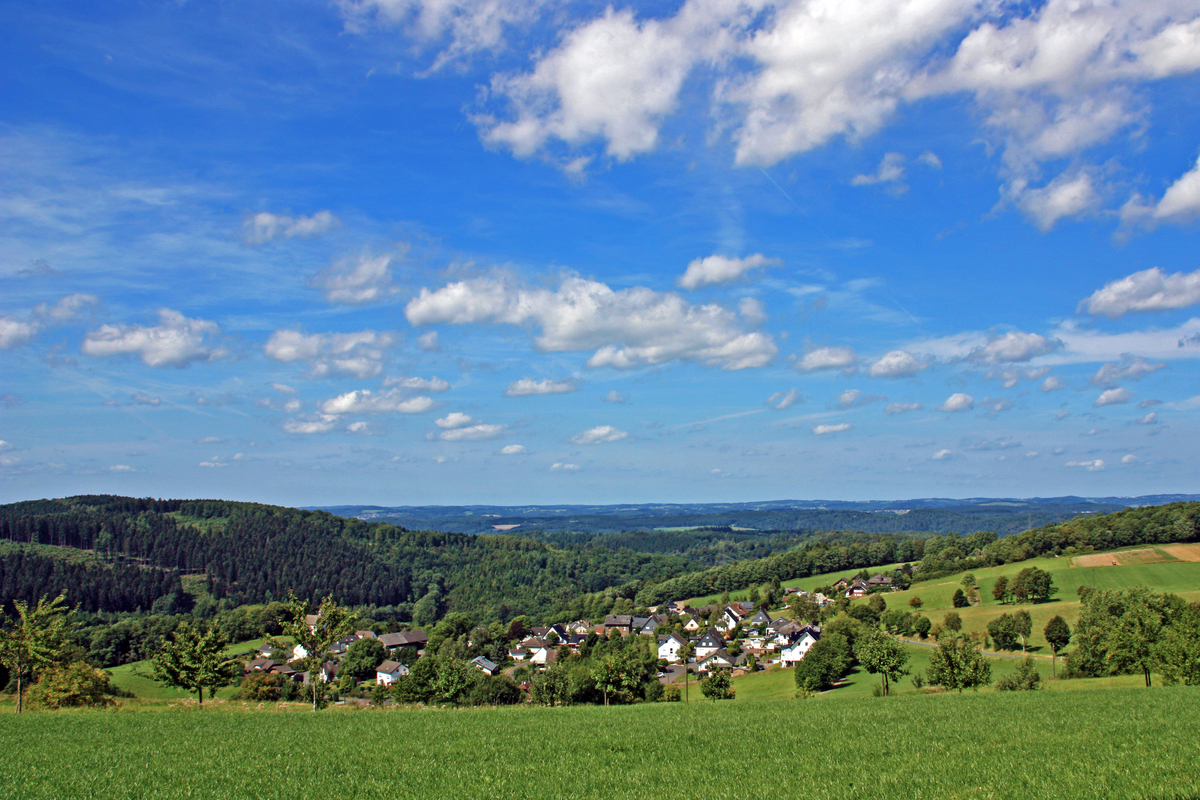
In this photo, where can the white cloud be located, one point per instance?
(752, 310)
(455, 419)
(356, 281)
(821, 358)
(1065, 196)
(1148, 290)
(721, 269)
(364, 401)
(902, 408)
(293, 405)
(1129, 459)
(930, 159)
(614, 396)
(823, 430)
(14, 332)
(958, 402)
(434, 384)
(67, 309)
(175, 342)
(471, 433)
(1090, 466)
(1014, 346)
(143, 399)
(1052, 383)
(853, 398)
(601, 433)
(558, 466)
(359, 355)
(429, 342)
(782, 401)
(1149, 419)
(942, 455)
(213, 464)
(367, 428)
(627, 328)
(4, 446)
(121, 468)
(891, 170)
(1180, 203)
(1131, 369)
(263, 227)
(527, 386)
(1113, 397)
(1149, 401)
(1011, 376)
(897, 364)
(283, 388)
(512, 450)
(323, 423)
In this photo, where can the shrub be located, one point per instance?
(1024, 678)
(671, 694)
(72, 686)
(261, 687)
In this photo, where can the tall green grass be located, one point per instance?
(1120, 743)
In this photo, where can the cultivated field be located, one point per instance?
(1121, 743)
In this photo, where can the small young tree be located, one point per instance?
(1023, 627)
(882, 655)
(952, 622)
(315, 634)
(916, 602)
(1058, 636)
(957, 663)
(36, 639)
(1000, 589)
(717, 686)
(1024, 678)
(960, 600)
(922, 626)
(195, 660)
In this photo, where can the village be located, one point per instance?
(735, 637)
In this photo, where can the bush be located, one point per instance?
(1024, 678)
(73, 686)
(261, 687)
(671, 694)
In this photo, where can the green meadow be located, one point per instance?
(1119, 743)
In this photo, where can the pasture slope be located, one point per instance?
(1107, 745)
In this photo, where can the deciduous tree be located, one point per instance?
(316, 633)
(195, 660)
(1058, 636)
(37, 638)
(882, 655)
(1000, 589)
(957, 663)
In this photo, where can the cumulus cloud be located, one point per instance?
(890, 170)
(358, 355)
(822, 358)
(356, 281)
(1090, 466)
(721, 269)
(512, 450)
(470, 433)
(958, 402)
(559, 466)
(15, 332)
(752, 310)
(1149, 419)
(364, 401)
(942, 455)
(627, 328)
(1066, 196)
(1013, 346)
(614, 396)
(322, 423)
(175, 342)
(599, 434)
(434, 384)
(897, 364)
(143, 399)
(1180, 203)
(902, 408)
(1113, 397)
(1148, 290)
(455, 419)
(853, 398)
(367, 428)
(527, 386)
(66, 309)
(429, 342)
(264, 227)
(823, 430)
(782, 401)
(1011, 376)
(1051, 384)
(1131, 369)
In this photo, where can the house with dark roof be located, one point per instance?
(484, 665)
(622, 623)
(709, 643)
(670, 645)
(394, 641)
(389, 672)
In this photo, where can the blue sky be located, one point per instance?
(449, 252)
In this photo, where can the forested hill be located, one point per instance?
(127, 554)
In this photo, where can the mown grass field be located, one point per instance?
(1121, 743)
(136, 676)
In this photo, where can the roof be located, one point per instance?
(404, 639)
(484, 663)
(388, 667)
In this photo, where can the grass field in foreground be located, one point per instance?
(1121, 743)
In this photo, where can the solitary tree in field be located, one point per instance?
(1022, 626)
(1058, 636)
(717, 685)
(916, 602)
(881, 655)
(957, 663)
(952, 622)
(195, 660)
(36, 639)
(1000, 589)
(960, 599)
(316, 633)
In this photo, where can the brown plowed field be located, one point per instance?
(1184, 552)
(1148, 555)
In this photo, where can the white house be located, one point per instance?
(793, 653)
(669, 646)
(389, 672)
